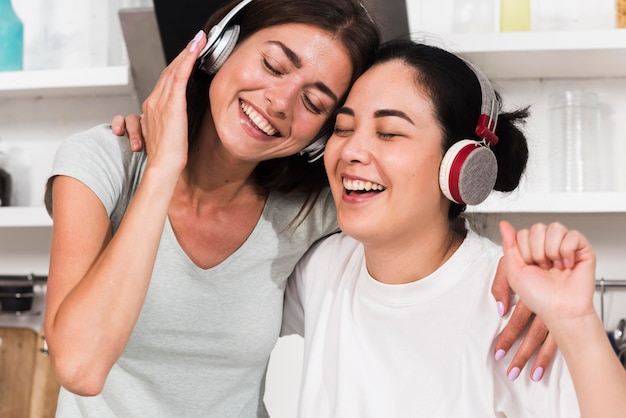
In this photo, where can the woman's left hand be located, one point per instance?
(537, 339)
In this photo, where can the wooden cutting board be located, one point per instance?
(28, 387)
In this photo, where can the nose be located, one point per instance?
(280, 99)
(356, 148)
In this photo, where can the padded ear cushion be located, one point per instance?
(468, 172)
(217, 55)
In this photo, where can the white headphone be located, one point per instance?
(469, 168)
(221, 41)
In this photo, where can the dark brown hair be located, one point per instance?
(456, 95)
(347, 20)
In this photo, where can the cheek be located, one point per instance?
(424, 173)
(331, 155)
(331, 160)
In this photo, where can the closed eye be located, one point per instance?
(387, 136)
(310, 106)
(270, 68)
(342, 131)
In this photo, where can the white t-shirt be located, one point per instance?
(423, 349)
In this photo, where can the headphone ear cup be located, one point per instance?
(217, 55)
(468, 172)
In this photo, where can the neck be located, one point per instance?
(409, 262)
(212, 175)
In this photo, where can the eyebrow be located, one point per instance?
(297, 62)
(379, 113)
(391, 112)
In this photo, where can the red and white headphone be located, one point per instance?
(469, 168)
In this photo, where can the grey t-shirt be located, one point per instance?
(202, 342)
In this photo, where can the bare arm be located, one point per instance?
(97, 282)
(553, 270)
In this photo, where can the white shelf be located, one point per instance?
(536, 54)
(66, 82)
(19, 217)
(590, 202)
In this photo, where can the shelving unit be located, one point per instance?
(544, 55)
(572, 54)
(553, 202)
(66, 82)
(105, 81)
(554, 54)
(20, 217)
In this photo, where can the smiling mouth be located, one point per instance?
(360, 186)
(258, 120)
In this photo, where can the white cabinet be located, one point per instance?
(581, 58)
(502, 56)
(65, 82)
(549, 54)
(46, 106)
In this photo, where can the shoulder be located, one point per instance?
(98, 140)
(329, 256)
(315, 223)
(481, 248)
(102, 161)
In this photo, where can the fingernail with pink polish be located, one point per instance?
(195, 40)
(514, 373)
(500, 354)
(500, 307)
(537, 374)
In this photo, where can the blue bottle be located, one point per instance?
(11, 38)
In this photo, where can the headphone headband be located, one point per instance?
(221, 40)
(469, 169)
(489, 109)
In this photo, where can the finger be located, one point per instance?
(575, 248)
(175, 75)
(134, 131)
(513, 259)
(537, 242)
(523, 246)
(500, 289)
(554, 239)
(513, 330)
(544, 358)
(531, 343)
(183, 64)
(118, 126)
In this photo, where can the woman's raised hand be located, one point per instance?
(162, 128)
(552, 269)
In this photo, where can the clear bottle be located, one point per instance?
(514, 15)
(475, 16)
(578, 149)
(11, 38)
(5, 181)
(620, 13)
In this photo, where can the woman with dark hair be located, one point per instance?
(395, 310)
(168, 267)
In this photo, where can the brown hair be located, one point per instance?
(348, 20)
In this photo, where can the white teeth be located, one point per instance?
(353, 185)
(258, 120)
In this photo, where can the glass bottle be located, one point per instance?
(5, 181)
(476, 16)
(514, 15)
(11, 38)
